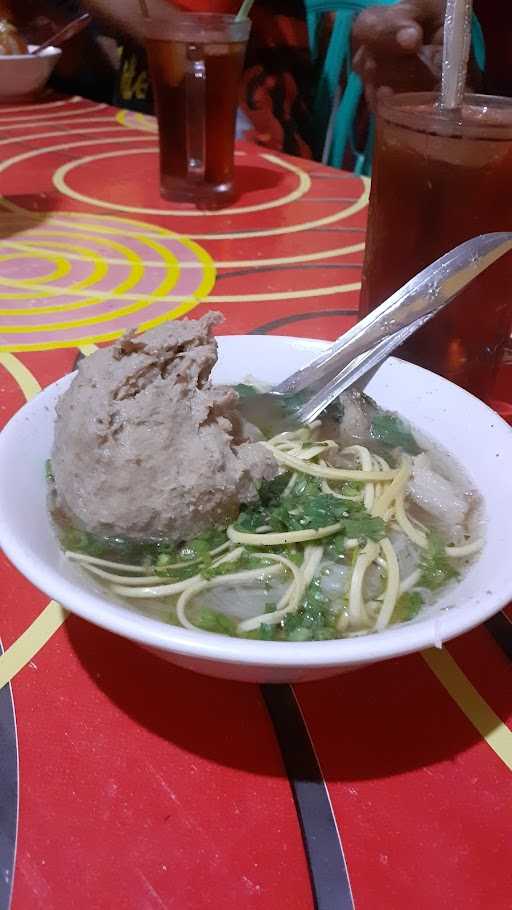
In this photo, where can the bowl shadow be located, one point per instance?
(228, 722)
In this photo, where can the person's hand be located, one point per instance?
(398, 47)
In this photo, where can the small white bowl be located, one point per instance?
(462, 425)
(24, 76)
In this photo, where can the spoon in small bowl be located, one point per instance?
(304, 395)
(64, 34)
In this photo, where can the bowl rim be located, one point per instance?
(50, 51)
(154, 633)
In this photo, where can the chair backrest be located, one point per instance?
(335, 111)
(332, 134)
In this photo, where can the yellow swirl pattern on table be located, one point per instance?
(25, 648)
(496, 734)
(136, 121)
(22, 376)
(21, 652)
(60, 181)
(69, 279)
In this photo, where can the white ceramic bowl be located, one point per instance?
(474, 434)
(23, 76)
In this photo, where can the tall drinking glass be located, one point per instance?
(439, 178)
(196, 62)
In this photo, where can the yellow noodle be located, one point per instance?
(276, 539)
(355, 599)
(131, 580)
(366, 462)
(410, 582)
(161, 591)
(415, 534)
(206, 584)
(398, 483)
(392, 585)
(467, 549)
(164, 590)
(329, 473)
(291, 599)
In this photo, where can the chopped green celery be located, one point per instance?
(212, 621)
(407, 606)
(347, 488)
(391, 431)
(291, 621)
(436, 568)
(306, 507)
(251, 518)
(180, 573)
(270, 491)
(157, 553)
(301, 633)
(307, 486)
(313, 619)
(339, 543)
(201, 546)
(187, 553)
(267, 632)
(364, 526)
(48, 470)
(322, 510)
(122, 549)
(335, 546)
(316, 598)
(79, 541)
(351, 488)
(163, 559)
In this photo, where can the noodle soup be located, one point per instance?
(362, 527)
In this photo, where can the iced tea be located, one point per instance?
(438, 179)
(196, 76)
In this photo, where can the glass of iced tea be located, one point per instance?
(196, 62)
(439, 178)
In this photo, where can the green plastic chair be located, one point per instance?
(334, 112)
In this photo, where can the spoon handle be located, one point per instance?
(426, 295)
(388, 326)
(64, 34)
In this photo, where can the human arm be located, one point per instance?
(121, 18)
(118, 18)
(397, 47)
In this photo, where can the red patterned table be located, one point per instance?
(144, 786)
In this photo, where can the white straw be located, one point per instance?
(245, 9)
(456, 45)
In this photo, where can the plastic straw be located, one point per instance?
(456, 45)
(245, 9)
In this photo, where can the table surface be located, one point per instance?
(145, 786)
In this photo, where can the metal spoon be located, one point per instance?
(305, 394)
(64, 34)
